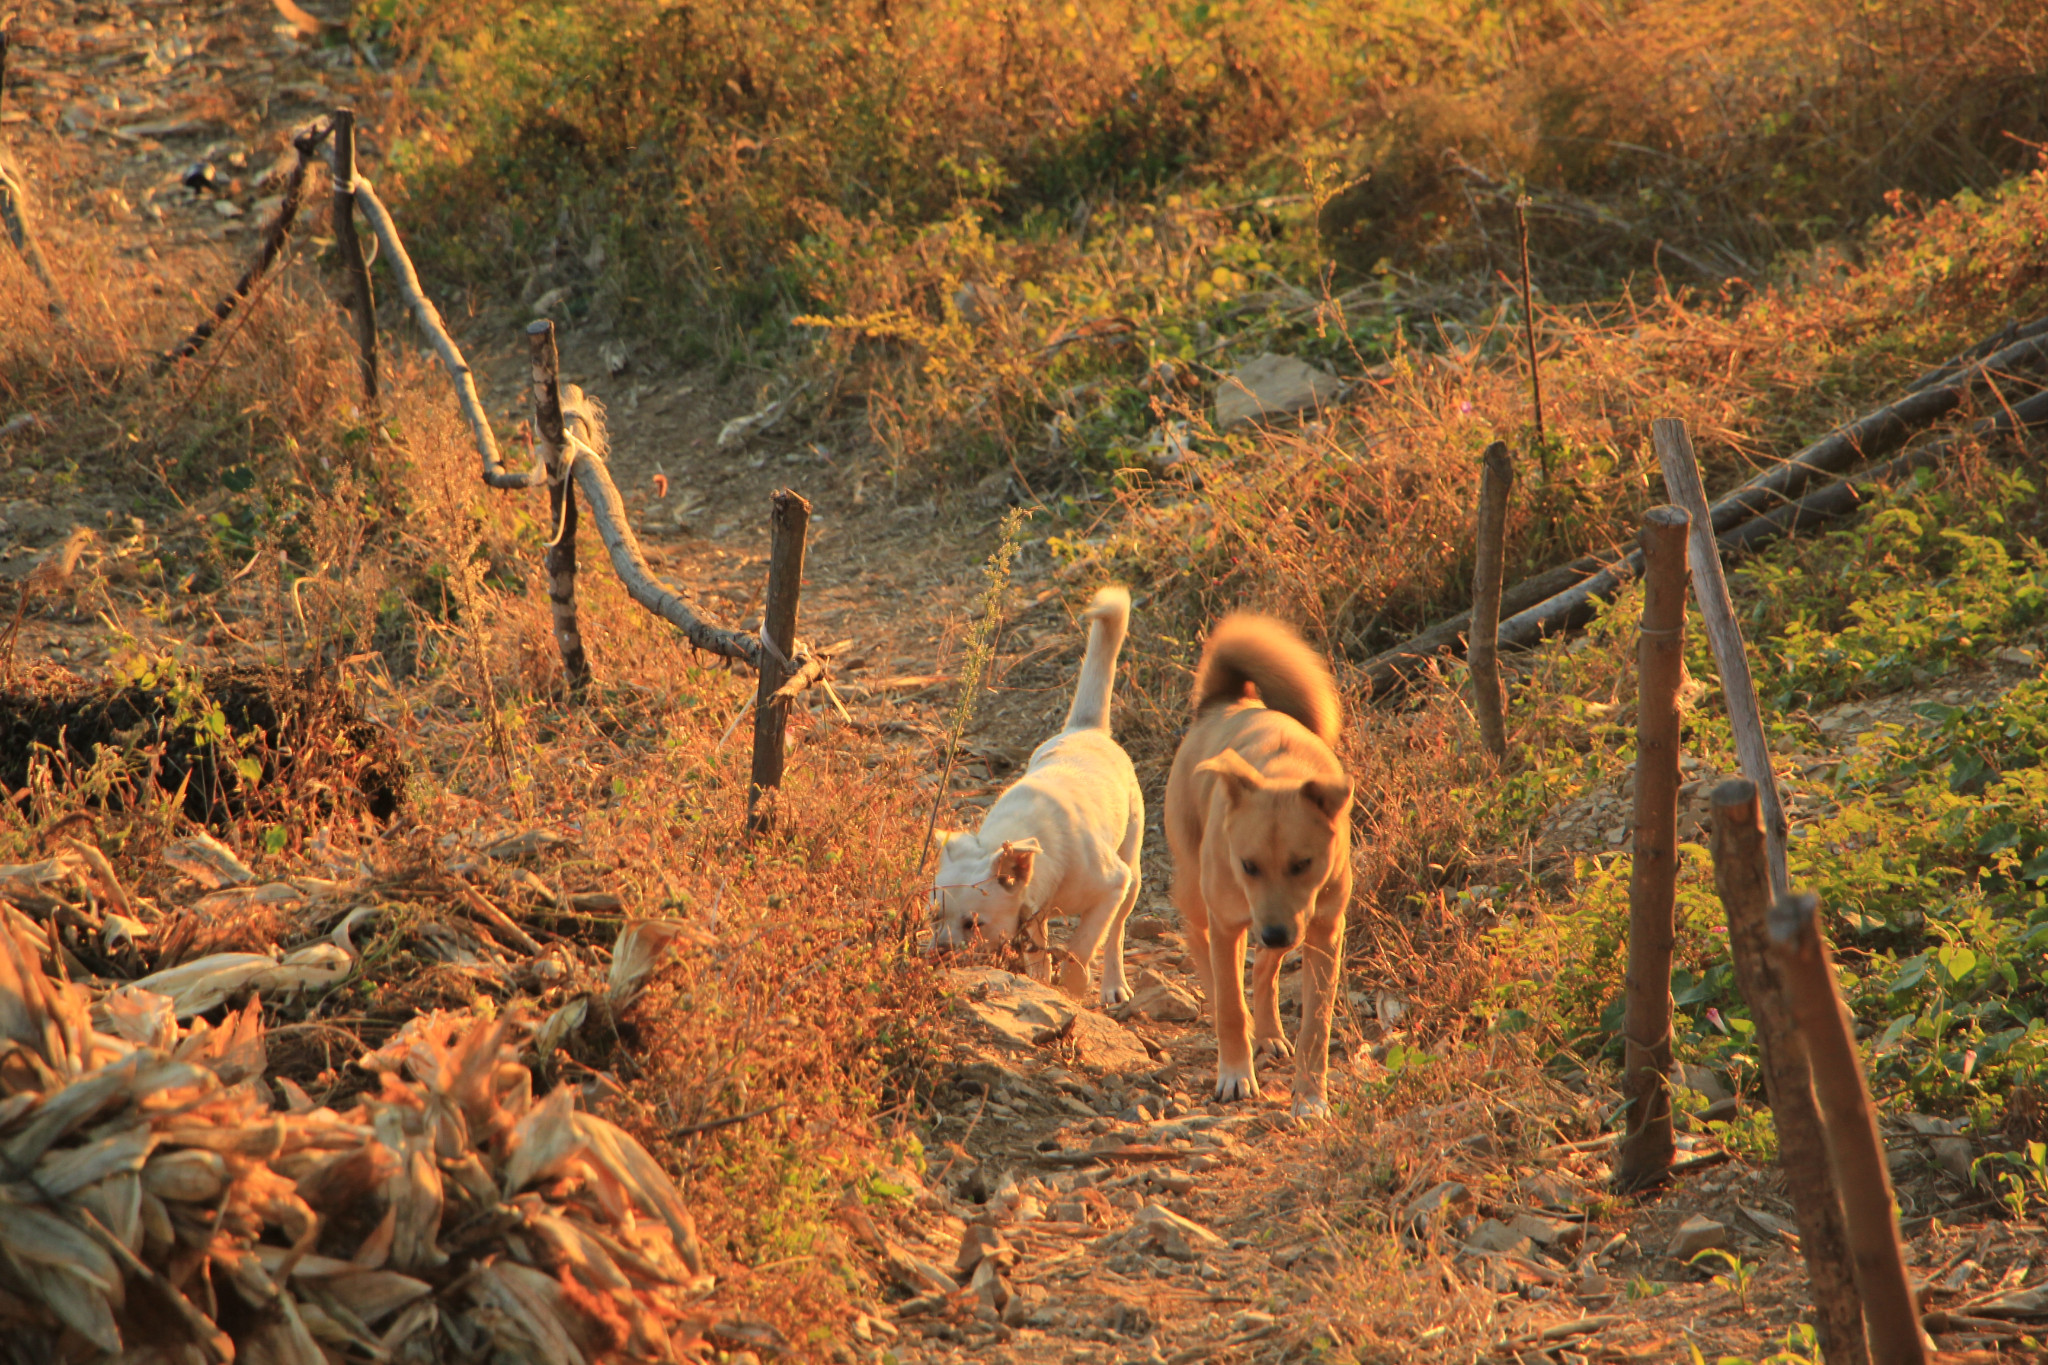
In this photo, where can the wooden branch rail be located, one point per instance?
(1742, 877)
(1855, 1149)
(1644, 1156)
(275, 233)
(362, 302)
(1563, 597)
(1717, 618)
(428, 319)
(14, 213)
(1496, 479)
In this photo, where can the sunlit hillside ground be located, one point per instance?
(1004, 256)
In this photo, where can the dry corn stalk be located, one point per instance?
(159, 1206)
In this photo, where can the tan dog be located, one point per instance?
(1258, 815)
(1066, 837)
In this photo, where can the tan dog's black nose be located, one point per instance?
(1277, 936)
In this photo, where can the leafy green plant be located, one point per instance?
(1735, 1279)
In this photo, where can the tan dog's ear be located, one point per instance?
(1328, 797)
(1013, 863)
(1239, 777)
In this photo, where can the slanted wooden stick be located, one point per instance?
(1717, 615)
(1742, 877)
(1646, 1149)
(561, 546)
(275, 233)
(428, 318)
(1855, 1149)
(788, 524)
(1496, 478)
(362, 304)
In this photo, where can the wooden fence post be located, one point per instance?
(362, 305)
(1855, 1148)
(556, 458)
(1742, 877)
(1482, 652)
(1646, 1147)
(788, 522)
(1717, 615)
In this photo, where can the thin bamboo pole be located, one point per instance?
(1496, 479)
(1646, 1148)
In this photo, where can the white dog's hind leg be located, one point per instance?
(1116, 986)
(1102, 920)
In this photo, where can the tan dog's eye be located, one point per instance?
(1251, 869)
(1299, 866)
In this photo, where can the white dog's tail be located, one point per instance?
(1109, 619)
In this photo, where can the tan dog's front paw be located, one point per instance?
(1274, 1048)
(1236, 1083)
(1311, 1107)
(1115, 992)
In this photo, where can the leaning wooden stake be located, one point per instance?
(788, 523)
(362, 306)
(275, 233)
(1741, 875)
(556, 457)
(1646, 1148)
(1529, 336)
(1496, 478)
(1855, 1149)
(1717, 614)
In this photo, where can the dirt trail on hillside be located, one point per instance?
(1084, 1200)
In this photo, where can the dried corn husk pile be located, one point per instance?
(163, 1202)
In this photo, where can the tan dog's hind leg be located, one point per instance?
(1270, 1038)
(1236, 1078)
(1322, 951)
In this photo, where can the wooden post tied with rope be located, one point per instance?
(1647, 1145)
(1742, 877)
(789, 522)
(556, 457)
(1489, 703)
(1855, 1150)
(362, 305)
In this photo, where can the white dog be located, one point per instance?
(1065, 838)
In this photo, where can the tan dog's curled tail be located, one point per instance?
(1291, 677)
(1109, 620)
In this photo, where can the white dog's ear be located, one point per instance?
(1238, 776)
(942, 837)
(1328, 797)
(1013, 864)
